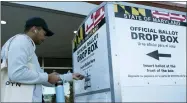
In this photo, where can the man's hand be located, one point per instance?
(77, 76)
(53, 78)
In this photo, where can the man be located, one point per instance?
(21, 50)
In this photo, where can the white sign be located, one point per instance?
(91, 59)
(151, 53)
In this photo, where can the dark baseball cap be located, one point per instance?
(39, 22)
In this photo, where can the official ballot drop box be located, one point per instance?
(131, 53)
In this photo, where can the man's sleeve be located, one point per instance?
(18, 71)
(47, 84)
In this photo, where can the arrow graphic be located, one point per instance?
(156, 55)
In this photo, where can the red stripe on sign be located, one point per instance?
(88, 28)
(157, 13)
(181, 19)
(165, 18)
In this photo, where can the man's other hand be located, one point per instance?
(77, 76)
